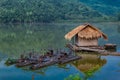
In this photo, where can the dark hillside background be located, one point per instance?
(108, 7)
(12, 11)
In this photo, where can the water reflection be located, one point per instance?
(0, 59)
(42, 71)
(89, 64)
(33, 77)
(15, 39)
(118, 28)
(63, 66)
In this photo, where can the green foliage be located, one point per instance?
(107, 7)
(73, 77)
(90, 72)
(44, 11)
(89, 64)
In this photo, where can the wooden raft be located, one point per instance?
(55, 61)
(75, 48)
(26, 63)
(41, 65)
(39, 61)
(110, 53)
(100, 51)
(69, 60)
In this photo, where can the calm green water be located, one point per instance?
(22, 38)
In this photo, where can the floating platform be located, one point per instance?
(41, 65)
(26, 63)
(40, 61)
(110, 47)
(110, 53)
(14, 61)
(69, 59)
(55, 61)
(103, 51)
(87, 48)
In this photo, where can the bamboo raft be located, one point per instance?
(99, 50)
(52, 62)
(26, 63)
(41, 65)
(41, 61)
(69, 59)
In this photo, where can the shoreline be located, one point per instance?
(66, 22)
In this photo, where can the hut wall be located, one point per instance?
(86, 42)
(76, 38)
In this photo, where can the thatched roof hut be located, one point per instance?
(86, 35)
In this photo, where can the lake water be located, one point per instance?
(22, 38)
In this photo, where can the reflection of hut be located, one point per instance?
(86, 35)
(89, 64)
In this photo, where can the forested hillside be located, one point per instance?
(55, 10)
(108, 7)
(45, 11)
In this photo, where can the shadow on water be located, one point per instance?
(38, 71)
(42, 71)
(89, 64)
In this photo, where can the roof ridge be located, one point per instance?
(73, 32)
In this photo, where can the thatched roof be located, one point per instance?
(86, 31)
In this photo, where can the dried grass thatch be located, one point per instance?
(86, 31)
